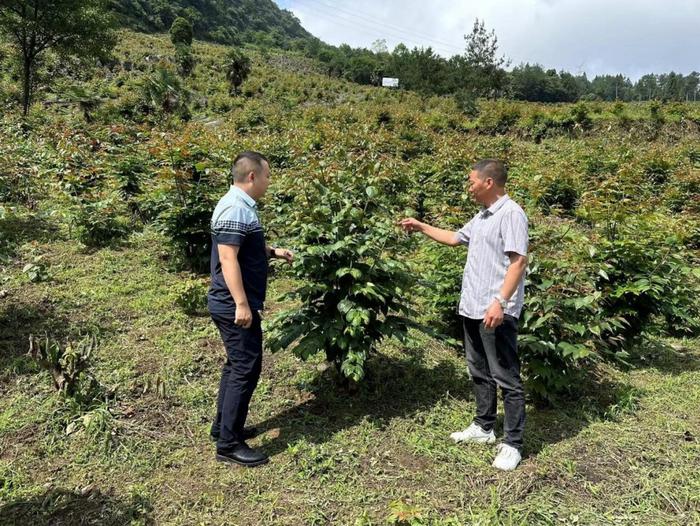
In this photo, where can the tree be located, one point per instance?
(379, 46)
(419, 69)
(80, 28)
(480, 68)
(237, 69)
(181, 32)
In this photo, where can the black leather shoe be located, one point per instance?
(248, 433)
(243, 455)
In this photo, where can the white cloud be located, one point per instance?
(632, 37)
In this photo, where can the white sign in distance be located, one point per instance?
(390, 82)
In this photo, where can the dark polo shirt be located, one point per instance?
(235, 222)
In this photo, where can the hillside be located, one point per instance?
(224, 21)
(104, 210)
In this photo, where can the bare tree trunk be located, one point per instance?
(27, 85)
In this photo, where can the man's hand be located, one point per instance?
(283, 253)
(410, 224)
(494, 316)
(244, 316)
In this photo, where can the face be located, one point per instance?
(261, 181)
(479, 188)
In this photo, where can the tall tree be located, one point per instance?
(181, 32)
(480, 67)
(81, 28)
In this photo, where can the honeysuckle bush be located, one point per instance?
(355, 288)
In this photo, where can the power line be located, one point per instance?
(367, 31)
(379, 29)
(383, 24)
(398, 34)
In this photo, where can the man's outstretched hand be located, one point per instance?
(410, 224)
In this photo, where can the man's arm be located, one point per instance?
(228, 255)
(446, 237)
(516, 270)
(280, 253)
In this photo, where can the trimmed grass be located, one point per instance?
(625, 452)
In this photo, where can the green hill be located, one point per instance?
(224, 21)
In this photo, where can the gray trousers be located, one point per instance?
(492, 357)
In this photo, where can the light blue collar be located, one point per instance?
(243, 195)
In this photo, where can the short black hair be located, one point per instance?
(246, 162)
(494, 169)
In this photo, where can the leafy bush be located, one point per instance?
(99, 223)
(36, 271)
(440, 269)
(192, 297)
(581, 117)
(594, 300)
(499, 119)
(186, 223)
(354, 290)
(558, 194)
(181, 32)
(467, 102)
(237, 70)
(644, 273)
(657, 170)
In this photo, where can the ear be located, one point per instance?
(251, 176)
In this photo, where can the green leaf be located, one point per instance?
(372, 192)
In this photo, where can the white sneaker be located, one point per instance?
(474, 434)
(507, 457)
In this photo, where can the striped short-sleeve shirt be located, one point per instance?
(235, 222)
(491, 235)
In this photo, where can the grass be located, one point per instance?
(625, 452)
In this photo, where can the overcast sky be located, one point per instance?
(632, 37)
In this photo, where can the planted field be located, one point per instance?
(104, 251)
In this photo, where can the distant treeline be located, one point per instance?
(479, 72)
(423, 70)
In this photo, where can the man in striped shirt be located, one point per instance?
(491, 301)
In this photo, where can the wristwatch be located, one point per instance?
(273, 253)
(501, 301)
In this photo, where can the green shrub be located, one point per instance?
(181, 32)
(657, 170)
(164, 94)
(237, 69)
(440, 271)
(560, 194)
(581, 116)
(645, 273)
(466, 101)
(99, 223)
(354, 288)
(186, 223)
(192, 297)
(37, 271)
(499, 118)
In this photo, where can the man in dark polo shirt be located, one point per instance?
(239, 263)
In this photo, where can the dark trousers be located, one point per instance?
(492, 357)
(239, 377)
